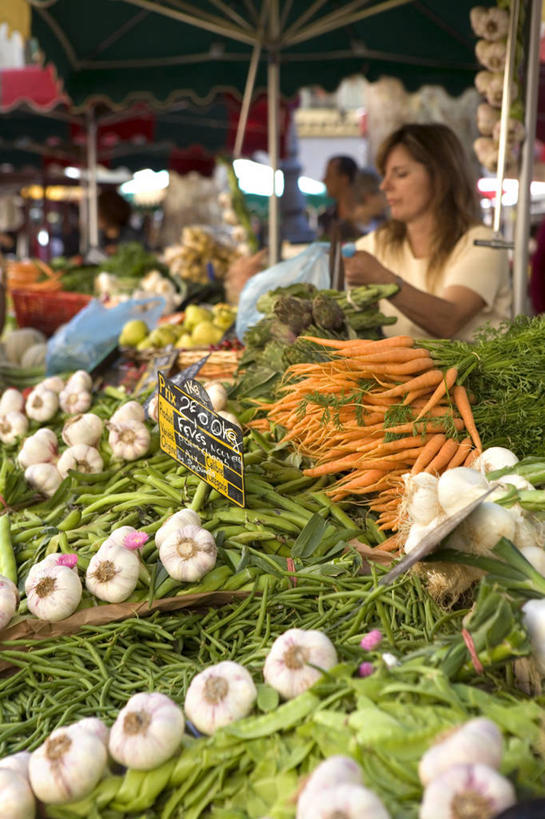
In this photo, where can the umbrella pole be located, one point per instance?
(92, 178)
(522, 226)
(273, 85)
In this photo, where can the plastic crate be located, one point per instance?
(46, 311)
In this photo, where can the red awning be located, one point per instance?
(37, 87)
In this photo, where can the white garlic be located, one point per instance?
(67, 766)
(421, 497)
(46, 478)
(17, 762)
(41, 405)
(333, 771)
(96, 727)
(217, 394)
(54, 382)
(418, 531)
(80, 458)
(116, 538)
(185, 517)
(48, 562)
(147, 731)
(289, 664)
(153, 408)
(219, 695)
(346, 802)
(188, 553)
(129, 439)
(75, 402)
(113, 576)
(39, 448)
(230, 417)
(467, 790)
(9, 600)
(53, 593)
(16, 798)
(12, 426)
(131, 411)
(82, 429)
(11, 401)
(80, 380)
(534, 622)
(476, 741)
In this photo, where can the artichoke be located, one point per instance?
(327, 313)
(296, 313)
(281, 332)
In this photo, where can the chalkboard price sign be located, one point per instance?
(200, 439)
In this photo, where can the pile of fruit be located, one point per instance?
(201, 327)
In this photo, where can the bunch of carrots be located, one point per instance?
(374, 411)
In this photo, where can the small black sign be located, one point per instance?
(200, 439)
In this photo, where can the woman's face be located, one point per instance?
(407, 186)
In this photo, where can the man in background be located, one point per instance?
(339, 179)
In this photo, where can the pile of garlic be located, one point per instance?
(335, 788)
(491, 25)
(129, 437)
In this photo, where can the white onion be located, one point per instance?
(459, 486)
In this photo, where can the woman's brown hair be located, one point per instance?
(455, 202)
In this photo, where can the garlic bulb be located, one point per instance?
(418, 531)
(477, 741)
(96, 727)
(54, 382)
(39, 448)
(82, 429)
(53, 593)
(495, 457)
(188, 553)
(119, 537)
(230, 417)
(9, 600)
(421, 498)
(16, 798)
(12, 426)
(131, 411)
(46, 478)
(344, 802)
(217, 394)
(487, 117)
(41, 405)
(482, 529)
(11, 401)
(534, 623)
(17, 762)
(467, 790)
(80, 458)
(219, 695)
(153, 408)
(74, 402)
(289, 664)
(79, 381)
(113, 576)
(48, 562)
(459, 486)
(185, 517)
(333, 771)
(129, 439)
(67, 766)
(147, 731)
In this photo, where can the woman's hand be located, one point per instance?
(364, 268)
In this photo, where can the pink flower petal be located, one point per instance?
(371, 640)
(69, 560)
(135, 540)
(365, 669)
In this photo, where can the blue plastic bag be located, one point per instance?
(92, 334)
(310, 266)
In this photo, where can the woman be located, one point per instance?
(449, 286)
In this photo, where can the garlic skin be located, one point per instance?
(46, 478)
(419, 531)
(129, 440)
(67, 766)
(11, 401)
(116, 538)
(96, 727)
(459, 486)
(421, 497)
(80, 458)
(13, 426)
(80, 381)
(346, 801)
(53, 593)
(230, 417)
(17, 762)
(333, 771)
(153, 408)
(83, 429)
(219, 695)
(9, 600)
(147, 731)
(482, 529)
(131, 411)
(75, 402)
(185, 517)
(217, 394)
(477, 741)
(16, 797)
(39, 448)
(467, 790)
(495, 457)
(41, 405)
(54, 382)
(287, 666)
(113, 576)
(47, 562)
(188, 553)
(534, 623)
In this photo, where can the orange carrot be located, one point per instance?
(428, 452)
(443, 387)
(445, 454)
(381, 344)
(428, 379)
(461, 454)
(391, 544)
(473, 455)
(463, 406)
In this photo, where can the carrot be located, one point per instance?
(463, 406)
(391, 356)
(443, 387)
(391, 544)
(445, 454)
(428, 379)
(428, 452)
(460, 456)
(473, 455)
(381, 344)
(333, 466)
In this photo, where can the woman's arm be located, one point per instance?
(440, 317)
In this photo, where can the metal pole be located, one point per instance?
(273, 86)
(92, 188)
(522, 226)
(246, 100)
(505, 106)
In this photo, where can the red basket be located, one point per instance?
(46, 311)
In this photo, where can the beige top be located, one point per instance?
(481, 269)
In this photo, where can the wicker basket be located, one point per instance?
(46, 311)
